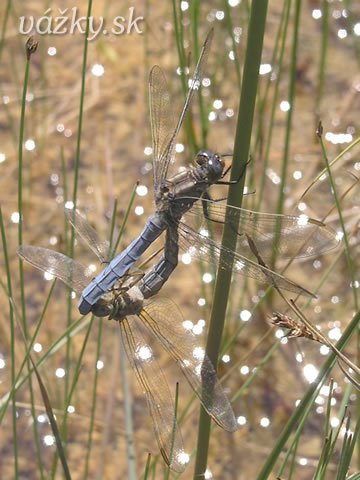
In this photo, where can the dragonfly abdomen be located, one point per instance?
(153, 228)
(160, 272)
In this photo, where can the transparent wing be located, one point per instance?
(100, 247)
(163, 133)
(72, 273)
(199, 245)
(290, 236)
(162, 124)
(165, 321)
(157, 393)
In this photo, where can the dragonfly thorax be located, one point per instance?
(211, 165)
(117, 306)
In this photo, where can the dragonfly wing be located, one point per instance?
(157, 393)
(162, 124)
(290, 236)
(72, 273)
(163, 133)
(201, 246)
(100, 247)
(165, 321)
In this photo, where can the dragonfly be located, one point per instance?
(125, 303)
(178, 211)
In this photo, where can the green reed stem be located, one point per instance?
(288, 129)
(274, 104)
(74, 328)
(30, 49)
(349, 261)
(3, 26)
(130, 204)
(12, 343)
(307, 398)
(147, 467)
(75, 188)
(230, 30)
(93, 400)
(75, 378)
(240, 157)
(129, 431)
(5, 401)
(194, 14)
(324, 45)
(178, 29)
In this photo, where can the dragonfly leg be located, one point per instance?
(233, 182)
(205, 200)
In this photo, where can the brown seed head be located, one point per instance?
(31, 46)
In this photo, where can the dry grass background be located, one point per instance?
(115, 132)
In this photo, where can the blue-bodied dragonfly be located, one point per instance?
(176, 201)
(124, 302)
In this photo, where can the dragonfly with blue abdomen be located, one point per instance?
(176, 199)
(125, 302)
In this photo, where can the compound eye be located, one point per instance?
(201, 158)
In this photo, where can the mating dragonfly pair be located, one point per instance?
(115, 293)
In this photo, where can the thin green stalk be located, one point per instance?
(297, 414)
(293, 461)
(178, 29)
(127, 413)
(324, 44)
(274, 105)
(12, 343)
(75, 187)
(93, 401)
(30, 49)
(72, 389)
(10, 396)
(230, 30)
(349, 260)
(113, 221)
(74, 328)
(291, 100)
(147, 467)
(132, 198)
(351, 20)
(240, 157)
(301, 422)
(3, 27)
(194, 14)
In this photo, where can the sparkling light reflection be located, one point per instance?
(60, 372)
(142, 190)
(264, 422)
(29, 145)
(49, 440)
(310, 372)
(139, 210)
(97, 70)
(241, 420)
(15, 217)
(144, 352)
(207, 278)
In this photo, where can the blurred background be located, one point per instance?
(115, 153)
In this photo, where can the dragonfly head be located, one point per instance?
(104, 306)
(212, 163)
